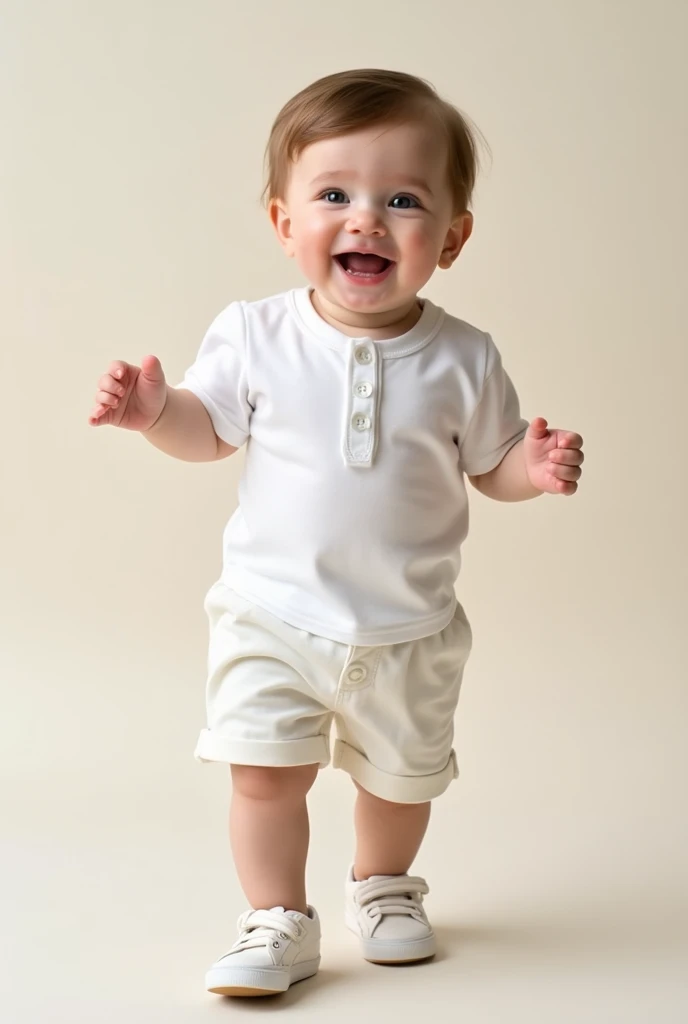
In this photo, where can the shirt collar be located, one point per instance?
(420, 335)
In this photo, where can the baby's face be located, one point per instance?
(369, 216)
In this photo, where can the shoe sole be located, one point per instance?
(389, 953)
(250, 982)
(399, 963)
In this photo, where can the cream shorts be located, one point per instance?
(273, 692)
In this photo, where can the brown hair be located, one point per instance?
(353, 100)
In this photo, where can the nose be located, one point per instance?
(365, 221)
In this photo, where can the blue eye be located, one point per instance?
(333, 195)
(404, 203)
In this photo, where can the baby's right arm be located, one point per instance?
(175, 421)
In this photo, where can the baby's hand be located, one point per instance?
(553, 458)
(131, 397)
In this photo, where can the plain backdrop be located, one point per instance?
(131, 146)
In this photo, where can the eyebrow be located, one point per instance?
(329, 176)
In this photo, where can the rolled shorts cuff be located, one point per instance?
(399, 789)
(273, 754)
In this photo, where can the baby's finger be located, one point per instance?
(108, 383)
(97, 415)
(567, 456)
(566, 488)
(105, 398)
(117, 369)
(570, 440)
(567, 473)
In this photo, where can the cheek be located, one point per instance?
(314, 236)
(420, 244)
(315, 229)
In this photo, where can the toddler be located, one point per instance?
(363, 408)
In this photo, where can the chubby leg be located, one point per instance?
(388, 835)
(269, 833)
(387, 913)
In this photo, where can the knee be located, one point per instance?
(256, 782)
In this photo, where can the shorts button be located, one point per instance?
(357, 673)
(364, 356)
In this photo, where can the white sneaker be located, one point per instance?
(386, 912)
(275, 948)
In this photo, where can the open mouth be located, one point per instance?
(365, 266)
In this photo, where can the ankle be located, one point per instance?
(369, 870)
(286, 905)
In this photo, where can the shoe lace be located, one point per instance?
(259, 927)
(403, 895)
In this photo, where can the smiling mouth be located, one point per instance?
(363, 264)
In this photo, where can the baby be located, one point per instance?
(363, 408)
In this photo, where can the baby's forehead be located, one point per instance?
(405, 147)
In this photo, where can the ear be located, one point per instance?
(457, 236)
(281, 222)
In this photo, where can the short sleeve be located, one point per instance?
(219, 376)
(496, 424)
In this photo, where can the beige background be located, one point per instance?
(132, 140)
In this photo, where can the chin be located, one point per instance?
(369, 300)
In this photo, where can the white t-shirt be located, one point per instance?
(352, 502)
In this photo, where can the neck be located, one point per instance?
(387, 324)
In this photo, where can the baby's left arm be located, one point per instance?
(545, 461)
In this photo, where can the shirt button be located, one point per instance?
(360, 422)
(364, 356)
(357, 673)
(363, 390)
